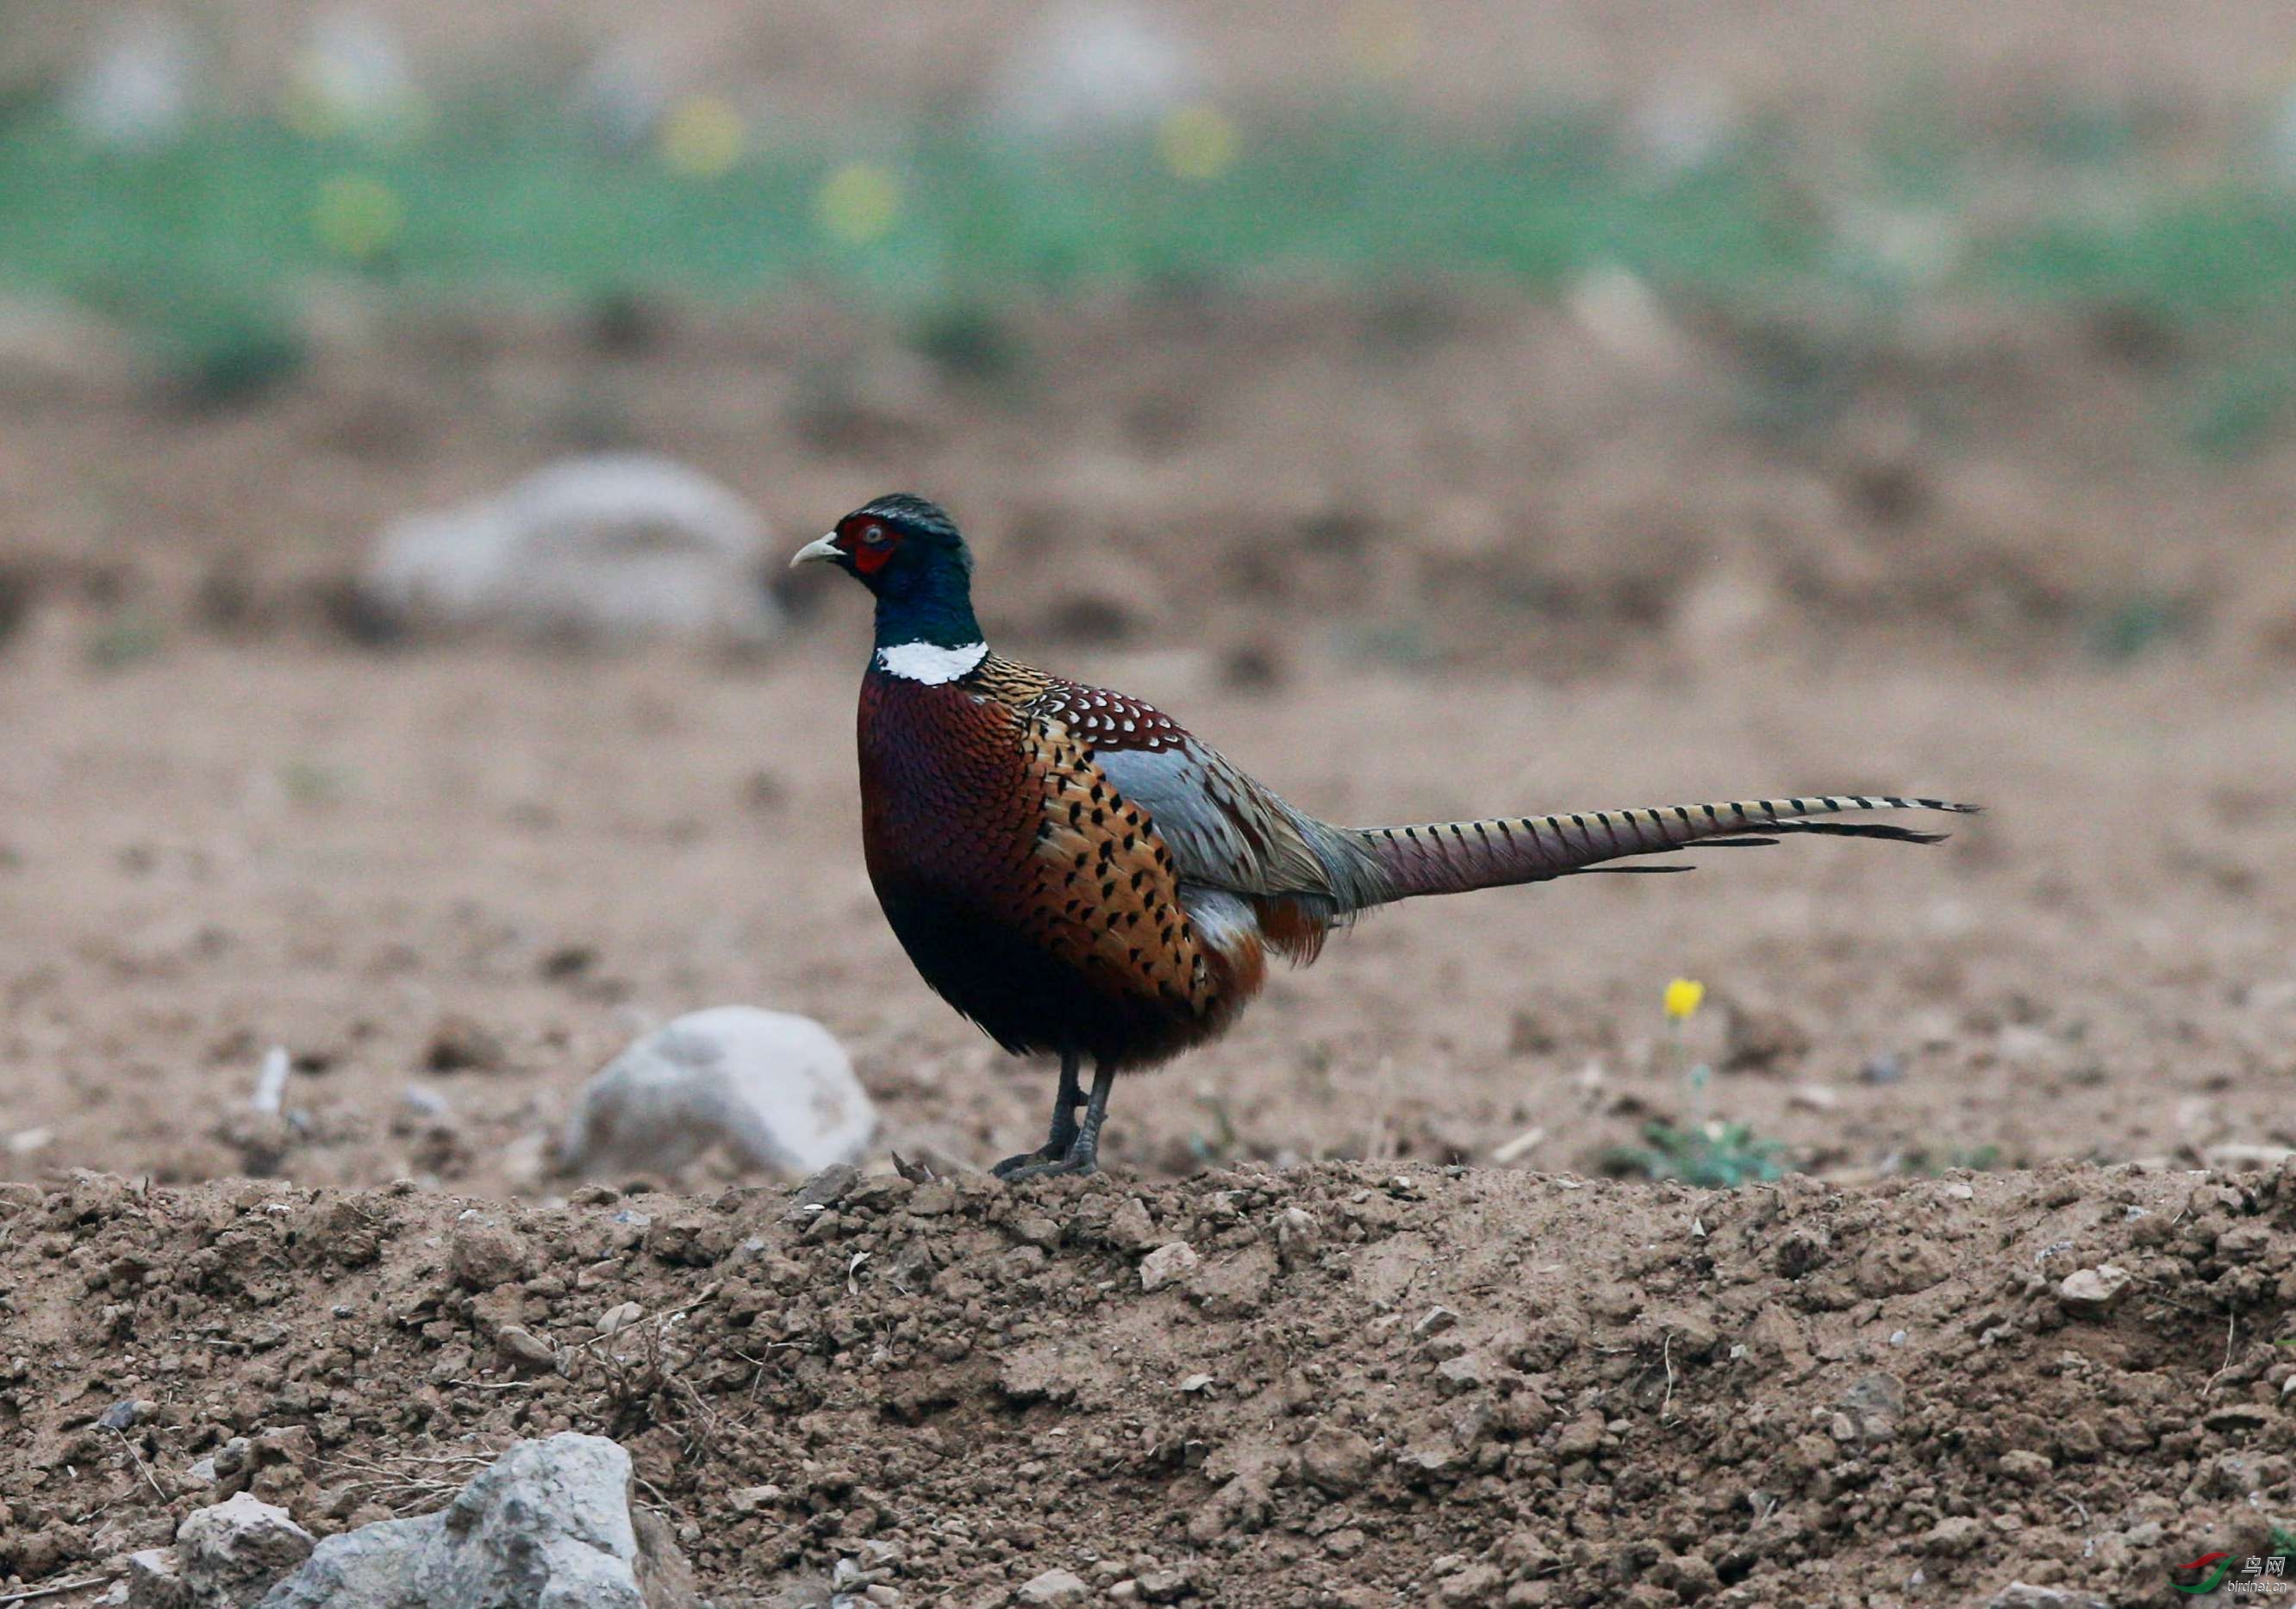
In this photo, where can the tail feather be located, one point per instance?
(1454, 856)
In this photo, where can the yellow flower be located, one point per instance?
(1682, 997)
(357, 216)
(700, 138)
(1197, 142)
(858, 203)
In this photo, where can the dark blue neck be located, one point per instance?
(931, 604)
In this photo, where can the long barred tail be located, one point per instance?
(1454, 856)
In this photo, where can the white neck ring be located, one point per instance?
(929, 663)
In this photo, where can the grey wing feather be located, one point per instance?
(1227, 831)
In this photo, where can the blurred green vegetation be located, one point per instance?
(961, 215)
(1710, 1156)
(204, 243)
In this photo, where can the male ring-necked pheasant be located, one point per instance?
(1078, 874)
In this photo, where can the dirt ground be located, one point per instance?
(1408, 554)
(228, 825)
(1335, 1385)
(229, 821)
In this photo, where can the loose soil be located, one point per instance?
(1503, 573)
(1338, 1384)
(1404, 556)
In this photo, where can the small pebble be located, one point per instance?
(1885, 1068)
(1054, 1589)
(123, 1415)
(524, 1350)
(1435, 1322)
(2093, 1292)
(1167, 1264)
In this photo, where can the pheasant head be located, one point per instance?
(908, 552)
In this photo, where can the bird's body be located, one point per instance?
(1080, 875)
(1031, 895)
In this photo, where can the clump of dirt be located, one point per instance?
(1336, 1386)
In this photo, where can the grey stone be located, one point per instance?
(153, 1582)
(1338, 1461)
(776, 1090)
(1082, 68)
(524, 1350)
(1873, 1404)
(612, 546)
(1165, 1264)
(1888, 1068)
(123, 1415)
(1164, 1586)
(2025, 1594)
(548, 1526)
(1054, 1589)
(140, 89)
(825, 1188)
(2093, 1292)
(231, 1554)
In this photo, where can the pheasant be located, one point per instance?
(1080, 875)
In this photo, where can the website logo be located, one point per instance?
(2265, 1576)
(2210, 1568)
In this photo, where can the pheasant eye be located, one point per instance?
(873, 549)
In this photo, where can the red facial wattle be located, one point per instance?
(869, 545)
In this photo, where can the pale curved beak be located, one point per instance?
(824, 551)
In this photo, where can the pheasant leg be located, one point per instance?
(1063, 1134)
(1082, 1154)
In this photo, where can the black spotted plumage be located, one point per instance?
(1080, 875)
(1029, 893)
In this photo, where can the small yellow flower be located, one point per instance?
(1197, 142)
(859, 202)
(700, 138)
(357, 216)
(1682, 997)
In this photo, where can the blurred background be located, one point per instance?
(1443, 406)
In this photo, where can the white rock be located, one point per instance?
(2091, 1292)
(1620, 311)
(353, 72)
(613, 545)
(231, 1554)
(137, 93)
(153, 1582)
(548, 1525)
(1165, 1264)
(1682, 124)
(1090, 66)
(776, 1090)
(2023, 1595)
(621, 96)
(1054, 1589)
(271, 1080)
